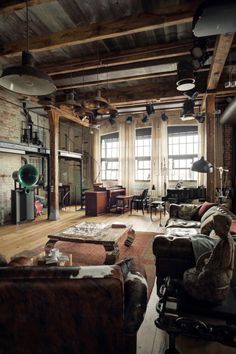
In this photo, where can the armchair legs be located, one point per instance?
(137, 205)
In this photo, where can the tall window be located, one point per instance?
(182, 152)
(143, 154)
(110, 156)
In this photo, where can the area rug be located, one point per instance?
(91, 254)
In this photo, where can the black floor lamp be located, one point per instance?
(202, 166)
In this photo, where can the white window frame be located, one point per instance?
(185, 139)
(110, 157)
(143, 142)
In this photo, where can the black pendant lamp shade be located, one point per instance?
(202, 166)
(186, 80)
(27, 79)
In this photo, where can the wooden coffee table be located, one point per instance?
(95, 233)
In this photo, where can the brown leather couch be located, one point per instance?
(75, 310)
(173, 251)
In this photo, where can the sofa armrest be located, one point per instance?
(135, 289)
(173, 256)
(174, 210)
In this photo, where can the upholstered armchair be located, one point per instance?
(76, 310)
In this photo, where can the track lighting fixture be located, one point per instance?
(164, 117)
(200, 117)
(129, 120)
(145, 119)
(188, 110)
(150, 109)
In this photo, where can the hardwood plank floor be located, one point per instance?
(17, 238)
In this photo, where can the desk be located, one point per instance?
(157, 205)
(123, 203)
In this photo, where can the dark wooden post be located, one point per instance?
(53, 116)
(211, 145)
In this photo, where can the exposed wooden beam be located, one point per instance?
(141, 54)
(221, 51)
(123, 57)
(121, 79)
(97, 32)
(164, 90)
(7, 7)
(65, 112)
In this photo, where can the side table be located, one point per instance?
(157, 205)
(123, 203)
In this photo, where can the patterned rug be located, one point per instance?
(91, 254)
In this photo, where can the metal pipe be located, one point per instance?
(229, 115)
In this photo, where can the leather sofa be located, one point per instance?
(174, 251)
(76, 310)
(179, 312)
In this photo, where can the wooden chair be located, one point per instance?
(139, 201)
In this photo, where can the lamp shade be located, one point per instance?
(27, 79)
(202, 166)
(186, 80)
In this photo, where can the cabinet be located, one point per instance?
(95, 203)
(185, 195)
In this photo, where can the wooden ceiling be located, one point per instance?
(127, 48)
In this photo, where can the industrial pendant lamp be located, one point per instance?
(202, 166)
(96, 102)
(26, 79)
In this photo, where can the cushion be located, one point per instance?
(187, 211)
(233, 227)
(205, 206)
(180, 232)
(183, 223)
(207, 225)
(209, 212)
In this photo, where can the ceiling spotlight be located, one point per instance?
(145, 119)
(129, 120)
(196, 64)
(150, 109)
(164, 117)
(188, 110)
(111, 120)
(199, 48)
(200, 117)
(186, 80)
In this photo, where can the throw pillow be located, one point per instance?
(209, 212)
(187, 211)
(233, 227)
(205, 206)
(210, 279)
(207, 225)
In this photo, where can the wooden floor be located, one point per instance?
(17, 238)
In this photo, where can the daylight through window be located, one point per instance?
(143, 154)
(182, 152)
(110, 156)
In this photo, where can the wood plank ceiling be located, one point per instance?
(127, 48)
